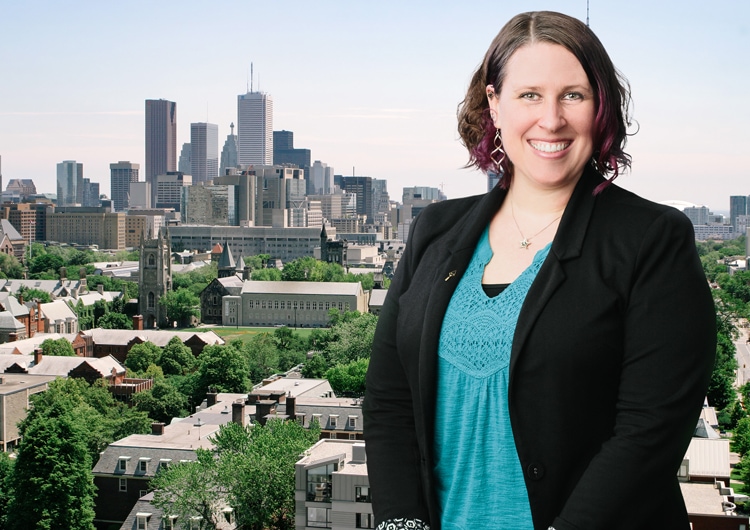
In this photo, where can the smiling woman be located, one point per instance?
(486, 353)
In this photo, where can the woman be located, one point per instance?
(544, 350)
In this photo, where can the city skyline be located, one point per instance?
(370, 90)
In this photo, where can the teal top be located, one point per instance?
(479, 478)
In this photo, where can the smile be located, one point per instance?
(547, 147)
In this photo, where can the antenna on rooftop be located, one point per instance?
(587, 13)
(251, 76)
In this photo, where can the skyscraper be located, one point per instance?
(185, 165)
(204, 147)
(737, 207)
(69, 183)
(121, 175)
(161, 139)
(255, 128)
(362, 187)
(229, 153)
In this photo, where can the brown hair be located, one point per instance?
(611, 90)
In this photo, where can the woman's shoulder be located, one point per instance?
(624, 206)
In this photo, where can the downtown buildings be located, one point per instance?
(161, 139)
(255, 128)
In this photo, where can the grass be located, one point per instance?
(229, 333)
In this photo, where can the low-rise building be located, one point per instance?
(15, 390)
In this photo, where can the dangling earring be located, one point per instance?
(498, 151)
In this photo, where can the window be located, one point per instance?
(319, 483)
(294, 304)
(143, 465)
(122, 464)
(275, 304)
(319, 517)
(300, 416)
(362, 494)
(142, 519)
(228, 515)
(164, 463)
(170, 522)
(195, 522)
(151, 260)
(123, 484)
(333, 419)
(352, 422)
(315, 306)
(364, 520)
(307, 306)
(150, 300)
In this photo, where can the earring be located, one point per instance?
(498, 151)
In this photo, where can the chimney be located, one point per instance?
(100, 288)
(263, 408)
(291, 408)
(238, 413)
(20, 298)
(12, 337)
(211, 399)
(138, 322)
(157, 428)
(37, 356)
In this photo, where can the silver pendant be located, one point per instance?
(525, 244)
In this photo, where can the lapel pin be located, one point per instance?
(451, 274)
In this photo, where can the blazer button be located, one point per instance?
(535, 471)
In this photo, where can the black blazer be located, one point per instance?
(610, 362)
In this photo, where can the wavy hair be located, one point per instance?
(611, 91)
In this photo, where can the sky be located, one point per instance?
(371, 88)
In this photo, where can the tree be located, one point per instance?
(181, 305)
(315, 367)
(262, 356)
(349, 379)
(57, 348)
(162, 402)
(189, 489)
(6, 493)
(351, 338)
(114, 321)
(741, 437)
(176, 358)
(32, 294)
(224, 368)
(52, 479)
(266, 275)
(10, 267)
(46, 263)
(256, 465)
(141, 356)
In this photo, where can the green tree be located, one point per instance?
(32, 294)
(190, 489)
(176, 358)
(141, 356)
(6, 493)
(351, 338)
(52, 479)
(114, 321)
(266, 275)
(741, 437)
(46, 263)
(224, 368)
(162, 402)
(57, 348)
(181, 305)
(10, 267)
(315, 367)
(262, 355)
(349, 379)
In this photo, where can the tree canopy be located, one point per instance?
(57, 348)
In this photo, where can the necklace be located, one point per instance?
(526, 241)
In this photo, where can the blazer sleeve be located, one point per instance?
(394, 460)
(669, 348)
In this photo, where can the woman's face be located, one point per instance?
(545, 112)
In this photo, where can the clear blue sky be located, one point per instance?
(366, 85)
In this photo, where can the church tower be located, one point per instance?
(154, 279)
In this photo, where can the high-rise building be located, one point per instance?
(362, 187)
(90, 194)
(737, 207)
(161, 139)
(283, 140)
(229, 153)
(169, 189)
(184, 164)
(255, 128)
(204, 147)
(422, 192)
(320, 179)
(69, 183)
(121, 175)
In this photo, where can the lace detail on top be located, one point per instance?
(399, 524)
(465, 342)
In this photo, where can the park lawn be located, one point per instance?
(229, 333)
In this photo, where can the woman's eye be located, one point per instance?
(571, 96)
(530, 96)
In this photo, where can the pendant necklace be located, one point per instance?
(526, 241)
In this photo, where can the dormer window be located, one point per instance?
(352, 422)
(122, 464)
(142, 520)
(333, 419)
(143, 464)
(170, 523)
(164, 463)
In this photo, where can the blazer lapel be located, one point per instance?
(566, 246)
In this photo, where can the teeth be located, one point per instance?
(549, 147)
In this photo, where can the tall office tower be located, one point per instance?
(69, 183)
(737, 207)
(229, 153)
(255, 128)
(184, 164)
(380, 197)
(90, 197)
(169, 189)
(283, 140)
(320, 179)
(161, 139)
(204, 147)
(362, 188)
(121, 175)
